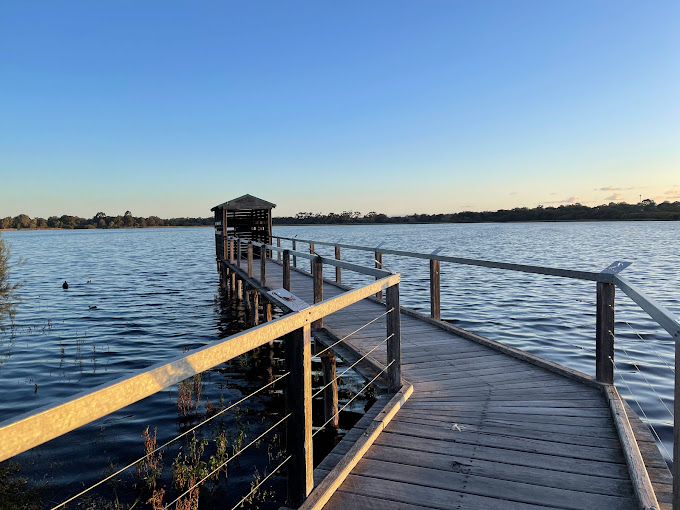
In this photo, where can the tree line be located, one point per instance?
(645, 210)
(99, 220)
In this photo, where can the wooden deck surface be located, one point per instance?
(481, 430)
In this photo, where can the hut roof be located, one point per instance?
(245, 202)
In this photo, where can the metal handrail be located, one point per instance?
(525, 268)
(655, 310)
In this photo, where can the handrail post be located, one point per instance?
(298, 396)
(254, 307)
(239, 252)
(394, 338)
(604, 334)
(378, 265)
(317, 273)
(278, 253)
(676, 432)
(294, 256)
(263, 270)
(286, 270)
(311, 252)
(250, 260)
(435, 293)
(338, 270)
(330, 394)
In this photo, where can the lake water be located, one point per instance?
(156, 296)
(548, 316)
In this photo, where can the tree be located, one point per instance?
(8, 291)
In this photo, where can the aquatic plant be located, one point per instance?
(151, 468)
(9, 296)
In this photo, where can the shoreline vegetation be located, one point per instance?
(645, 210)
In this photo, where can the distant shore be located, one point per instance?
(646, 210)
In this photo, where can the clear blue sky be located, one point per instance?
(168, 108)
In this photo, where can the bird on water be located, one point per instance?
(64, 285)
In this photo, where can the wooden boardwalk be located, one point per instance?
(482, 429)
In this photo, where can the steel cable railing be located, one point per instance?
(351, 366)
(365, 386)
(168, 443)
(236, 455)
(353, 332)
(648, 421)
(254, 489)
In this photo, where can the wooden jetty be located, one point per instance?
(460, 421)
(485, 426)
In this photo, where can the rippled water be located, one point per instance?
(156, 296)
(153, 295)
(548, 316)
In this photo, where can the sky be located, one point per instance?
(168, 108)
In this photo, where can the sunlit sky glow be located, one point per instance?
(168, 108)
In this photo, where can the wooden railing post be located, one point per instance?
(255, 307)
(278, 253)
(298, 396)
(338, 270)
(286, 270)
(263, 270)
(311, 262)
(604, 335)
(676, 433)
(232, 258)
(250, 260)
(378, 265)
(317, 274)
(238, 254)
(394, 335)
(435, 293)
(294, 256)
(330, 394)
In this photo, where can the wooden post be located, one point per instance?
(232, 258)
(317, 273)
(435, 293)
(394, 343)
(239, 289)
(286, 270)
(298, 396)
(268, 314)
(225, 241)
(250, 260)
(255, 307)
(378, 265)
(330, 394)
(238, 254)
(604, 335)
(294, 256)
(278, 253)
(338, 270)
(232, 290)
(311, 262)
(263, 270)
(676, 433)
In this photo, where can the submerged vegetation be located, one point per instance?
(8, 290)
